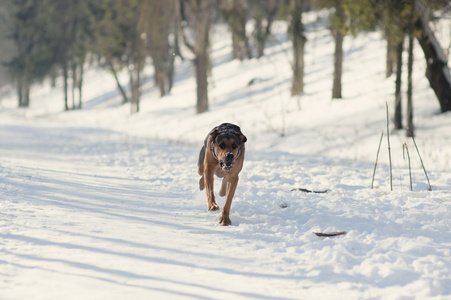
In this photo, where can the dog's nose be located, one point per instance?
(229, 156)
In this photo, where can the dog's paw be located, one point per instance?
(213, 207)
(225, 220)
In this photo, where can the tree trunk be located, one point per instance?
(20, 90)
(134, 87)
(298, 40)
(237, 23)
(200, 16)
(390, 56)
(74, 82)
(26, 94)
(23, 88)
(338, 64)
(158, 76)
(53, 75)
(410, 128)
(259, 37)
(80, 85)
(157, 20)
(398, 98)
(437, 70)
(160, 81)
(171, 72)
(66, 85)
(119, 86)
(236, 49)
(263, 26)
(201, 66)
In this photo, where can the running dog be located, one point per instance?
(222, 155)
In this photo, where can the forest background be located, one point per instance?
(49, 38)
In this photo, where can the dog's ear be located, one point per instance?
(243, 138)
(214, 133)
(237, 131)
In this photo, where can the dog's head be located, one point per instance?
(227, 143)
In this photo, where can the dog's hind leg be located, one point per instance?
(201, 183)
(223, 190)
(200, 162)
(200, 165)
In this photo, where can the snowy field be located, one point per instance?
(98, 204)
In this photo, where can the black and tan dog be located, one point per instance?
(222, 155)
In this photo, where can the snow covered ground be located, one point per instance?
(98, 204)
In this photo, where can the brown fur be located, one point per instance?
(222, 155)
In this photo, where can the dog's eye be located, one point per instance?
(234, 146)
(222, 146)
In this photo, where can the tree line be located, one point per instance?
(54, 37)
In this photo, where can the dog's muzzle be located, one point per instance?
(226, 166)
(228, 162)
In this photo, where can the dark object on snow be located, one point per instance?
(310, 191)
(329, 234)
(283, 205)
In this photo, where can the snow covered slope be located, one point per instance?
(98, 204)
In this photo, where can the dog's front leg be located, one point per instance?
(230, 192)
(208, 182)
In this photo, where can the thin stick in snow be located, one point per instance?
(424, 169)
(330, 234)
(377, 157)
(389, 150)
(406, 150)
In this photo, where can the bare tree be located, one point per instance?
(410, 127)
(338, 64)
(338, 53)
(348, 17)
(265, 12)
(412, 19)
(390, 58)
(118, 42)
(235, 13)
(398, 82)
(437, 70)
(298, 39)
(198, 16)
(157, 22)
